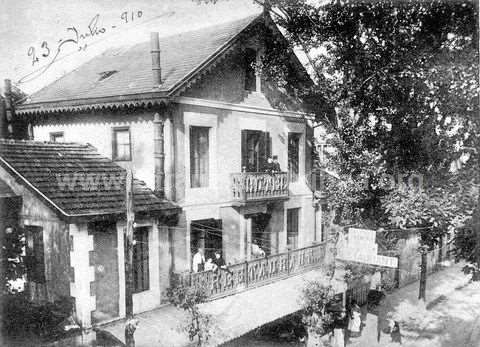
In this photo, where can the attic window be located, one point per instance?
(106, 74)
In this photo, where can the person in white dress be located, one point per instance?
(198, 261)
(355, 321)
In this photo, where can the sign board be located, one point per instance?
(360, 246)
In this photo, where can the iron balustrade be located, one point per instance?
(256, 272)
(252, 186)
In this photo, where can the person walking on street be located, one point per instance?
(339, 327)
(354, 323)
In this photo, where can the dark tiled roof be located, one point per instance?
(75, 178)
(181, 55)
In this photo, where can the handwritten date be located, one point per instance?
(77, 37)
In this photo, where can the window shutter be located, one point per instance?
(244, 150)
(262, 151)
(268, 141)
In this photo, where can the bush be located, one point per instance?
(20, 315)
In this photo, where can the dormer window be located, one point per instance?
(250, 75)
(106, 74)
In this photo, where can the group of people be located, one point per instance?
(347, 324)
(199, 264)
(272, 165)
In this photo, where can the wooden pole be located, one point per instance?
(423, 274)
(131, 323)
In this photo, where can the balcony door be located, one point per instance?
(256, 148)
(206, 234)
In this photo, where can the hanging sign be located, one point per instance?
(360, 246)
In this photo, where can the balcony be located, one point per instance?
(257, 186)
(254, 273)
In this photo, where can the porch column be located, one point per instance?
(248, 238)
(282, 236)
(233, 225)
(165, 258)
(82, 273)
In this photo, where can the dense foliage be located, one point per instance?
(13, 267)
(198, 326)
(20, 316)
(397, 90)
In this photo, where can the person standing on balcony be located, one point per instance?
(220, 262)
(198, 262)
(257, 251)
(268, 168)
(276, 165)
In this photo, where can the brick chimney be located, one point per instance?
(155, 52)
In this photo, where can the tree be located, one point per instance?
(316, 298)
(433, 211)
(13, 266)
(402, 81)
(188, 298)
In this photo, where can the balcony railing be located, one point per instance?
(253, 186)
(254, 273)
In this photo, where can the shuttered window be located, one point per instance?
(293, 156)
(121, 144)
(292, 228)
(256, 148)
(35, 254)
(199, 157)
(140, 260)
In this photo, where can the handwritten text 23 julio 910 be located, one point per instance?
(76, 37)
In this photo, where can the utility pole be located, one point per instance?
(131, 322)
(423, 273)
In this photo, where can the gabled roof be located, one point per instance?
(74, 179)
(127, 72)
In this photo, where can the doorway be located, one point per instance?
(206, 234)
(105, 246)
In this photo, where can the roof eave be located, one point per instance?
(87, 104)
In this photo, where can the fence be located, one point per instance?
(409, 266)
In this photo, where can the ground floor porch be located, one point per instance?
(232, 315)
(246, 232)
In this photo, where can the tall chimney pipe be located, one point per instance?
(3, 118)
(155, 52)
(159, 155)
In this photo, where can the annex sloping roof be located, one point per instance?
(75, 179)
(128, 71)
(5, 191)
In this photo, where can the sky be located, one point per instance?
(32, 29)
